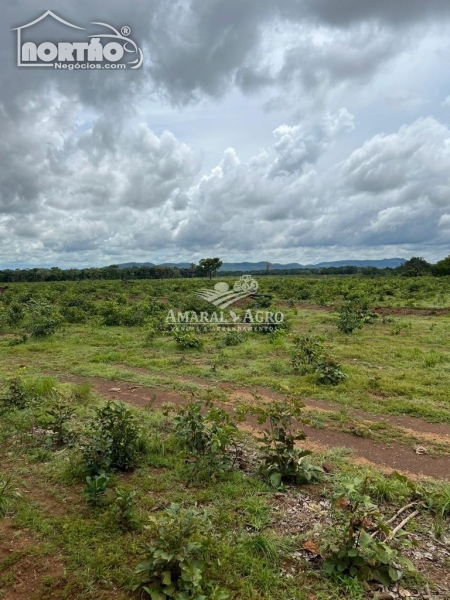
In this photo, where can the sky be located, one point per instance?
(255, 130)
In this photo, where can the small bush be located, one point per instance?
(174, 564)
(359, 542)
(15, 397)
(233, 338)
(186, 340)
(115, 442)
(96, 488)
(281, 461)
(329, 371)
(208, 437)
(57, 418)
(123, 508)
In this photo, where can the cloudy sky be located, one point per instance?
(279, 130)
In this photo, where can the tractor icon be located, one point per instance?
(246, 284)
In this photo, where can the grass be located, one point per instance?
(398, 366)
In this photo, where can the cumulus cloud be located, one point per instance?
(93, 167)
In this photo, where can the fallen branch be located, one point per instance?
(402, 510)
(402, 524)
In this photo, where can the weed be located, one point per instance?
(8, 494)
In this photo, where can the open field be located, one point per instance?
(80, 344)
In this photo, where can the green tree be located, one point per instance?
(415, 267)
(442, 267)
(209, 266)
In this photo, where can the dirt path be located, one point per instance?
(414, 424)
(392, 456)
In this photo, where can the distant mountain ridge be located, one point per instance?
(384, 263)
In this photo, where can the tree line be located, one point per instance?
(208, 267)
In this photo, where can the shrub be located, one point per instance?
(359, 543)
(16, 396)
(186, 340)
(281, 461)
(115, 443)
(44, 327)
(174, 565)
(330, 372)
(307, 351)
(354, 315)
(208, 437)
(43, 319)
(15, 314)
(309, 355)
(233, 338)
(57, 417)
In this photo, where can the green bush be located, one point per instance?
(8, 494)
(115, 442)
(281, 461)
(233, 338)
(16, 395)
(186, 340)
(174, 564)
(359, 543)
(123, 508)
(329, 371)
(209, 437)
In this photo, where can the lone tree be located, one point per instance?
(415, 267)
(209, 266)
(442, 268)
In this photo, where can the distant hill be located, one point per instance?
(384, 263)
(136, 264)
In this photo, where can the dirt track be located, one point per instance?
(392, 456)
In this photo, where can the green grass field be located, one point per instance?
(77, 345)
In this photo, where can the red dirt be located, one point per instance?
(413, 423)
(387, 457)
(28, 567)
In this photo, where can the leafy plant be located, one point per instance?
(329, 371)
(186, 340)
(354, 315)
(57, 417)
(308, 354)
(359, 543)
(115, 442)
(96, 488)
(123, 507)
(174, 565)
(233, 338)
(16, 396)
(209, 437)
(281, 460)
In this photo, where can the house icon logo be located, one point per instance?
(105, 50)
